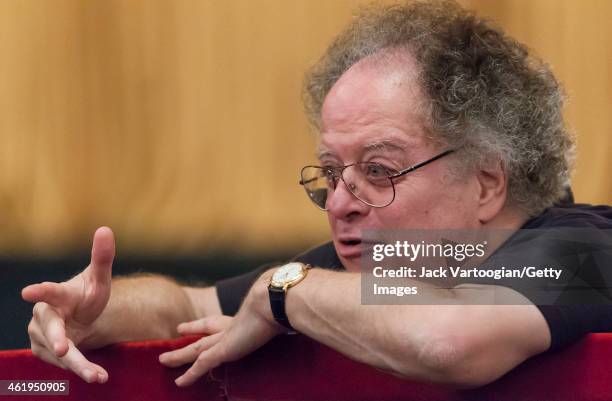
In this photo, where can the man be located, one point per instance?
(426, 85)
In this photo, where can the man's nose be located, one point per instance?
(342, 204)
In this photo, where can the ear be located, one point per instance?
(493, 189)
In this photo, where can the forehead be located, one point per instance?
(353, 146)
(374, 104)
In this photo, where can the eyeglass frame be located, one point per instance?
(391, 177)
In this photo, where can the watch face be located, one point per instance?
(288, 273)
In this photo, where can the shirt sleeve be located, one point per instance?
(231, 292)
(568, 323)
(582, 302)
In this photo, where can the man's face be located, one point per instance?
(372, 115)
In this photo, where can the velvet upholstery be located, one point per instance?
(297, 368)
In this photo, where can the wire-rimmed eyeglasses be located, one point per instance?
(371, 183)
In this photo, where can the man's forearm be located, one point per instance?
(341, 322)
(141, 307)
(458, 344)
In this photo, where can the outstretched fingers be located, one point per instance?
(206, 361)
(72, 359)
(74, 304)
(49, 297)
(190, 352)
(75, 361)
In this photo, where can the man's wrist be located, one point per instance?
(262, 297)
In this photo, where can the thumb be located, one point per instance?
(102, 254)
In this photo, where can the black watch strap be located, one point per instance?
(277, 304)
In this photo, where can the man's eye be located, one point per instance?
(331, 176)
(329, 172)
(377, 171)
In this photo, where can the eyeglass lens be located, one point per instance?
(368, 182)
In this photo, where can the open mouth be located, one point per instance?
(349, 247)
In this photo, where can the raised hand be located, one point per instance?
(64, 312)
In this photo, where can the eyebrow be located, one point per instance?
(376, 145)
(384, 145)
(322, 152)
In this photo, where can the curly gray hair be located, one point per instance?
(485, 93)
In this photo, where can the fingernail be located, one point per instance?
(163, 357)
(102, 378)
(179, 381)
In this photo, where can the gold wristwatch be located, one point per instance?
(284, 278)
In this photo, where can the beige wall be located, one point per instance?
(179, 123)
(575, 38)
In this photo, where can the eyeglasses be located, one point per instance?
(371, 183)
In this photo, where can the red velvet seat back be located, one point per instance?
(297, 368)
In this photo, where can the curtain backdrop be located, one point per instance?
(179, 123)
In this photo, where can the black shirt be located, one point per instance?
(567, 323)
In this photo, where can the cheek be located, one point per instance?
(331, 219)
(412, 216)
(456, 208)
(447, 206)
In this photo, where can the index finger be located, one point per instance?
(51, 293)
